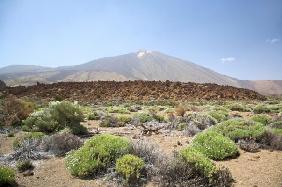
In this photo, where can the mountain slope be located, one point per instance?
(141, 65)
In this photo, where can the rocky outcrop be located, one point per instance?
(97, 91)
(2, 85)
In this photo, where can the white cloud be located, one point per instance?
(227, 60)
(272, 40)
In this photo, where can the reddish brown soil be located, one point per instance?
(134, 90)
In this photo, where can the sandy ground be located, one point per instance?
(261, 169)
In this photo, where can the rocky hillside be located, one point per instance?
(133, 90)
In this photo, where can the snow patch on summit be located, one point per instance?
(142, 53)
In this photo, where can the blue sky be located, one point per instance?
(239, 38)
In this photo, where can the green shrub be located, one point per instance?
(130, 166)
(214, 145)
(24, 165)
(219, 115)
(41, 121)
(124, 119)
(237, 129)
(96, 154)
(158, 117)
(143, 117)
(238, 107)
(117, 109)
(199, 160)
(93, 116)
(7, 176)
(277, 131)
(261, 109)
(110, 121)
(276, 124)
(261, 118)
(57, 116)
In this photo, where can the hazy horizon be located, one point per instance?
(241, 39)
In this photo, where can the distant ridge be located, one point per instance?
(140, 65)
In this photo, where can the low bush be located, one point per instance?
(239, 107)
(124, 119)
(249, 145)
(261, 109)
(237, 129)
(276, 124)
(277, 131)
(130, 166)
(41, 121)
(214, 145)
(118, 109)
(110, 121)
(96, 154)
(57, 116)
(197, 122)
(61, 143)
(15, 110)
(23, 165)
(146, 150)
(175, 171)
(219, 115)
(271, 140)
(180, 111)
(28, 149)
(141, 118)
(261, 118)
(7, 176)
(94, 116)
(17, 143)
(199, 160)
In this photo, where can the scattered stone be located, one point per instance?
(179, 143)
(28, 173)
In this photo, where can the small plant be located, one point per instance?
(110, 121)
(17, 143)
(239, 107)
(61, 143)
(23, 165)
(197, 122)
(130, 166)
(142, 118)
(124, 119)
(16, 110)
(261, 118)
(261, 109)
(237, 129)
(118, 109)
(93, 116)
(276, 124)
(96, 154)
(249, 145)
(214, 145)
(199, 160)
(7, 176)
(180, 111)
(57, 116)
(271, 140)
(219, 115)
